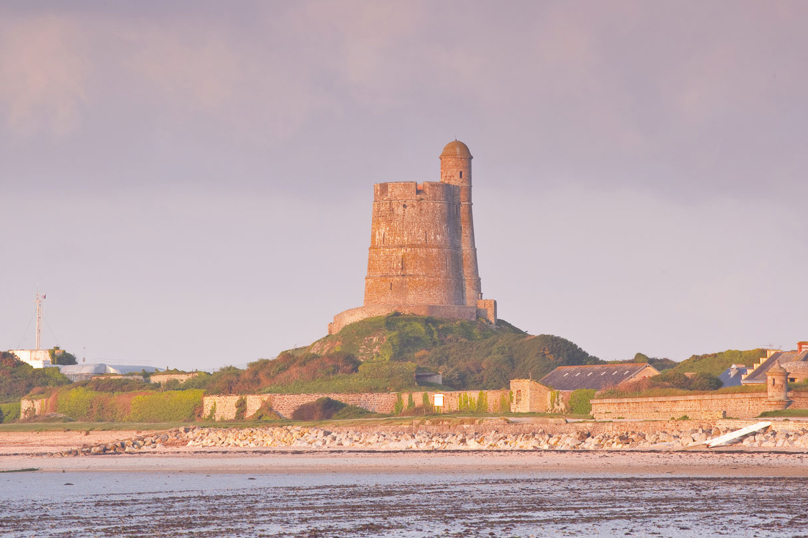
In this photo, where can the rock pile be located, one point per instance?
(462, 439)
(176, 437)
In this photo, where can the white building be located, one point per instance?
(38, 358)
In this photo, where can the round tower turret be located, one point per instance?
(455, 169)
(455, 164)
(777, 383)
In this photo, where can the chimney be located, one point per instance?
(802, 346)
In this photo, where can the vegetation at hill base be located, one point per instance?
(716, 363)
(80, 402)
(580, 402)
(18, 378)
(383, 354)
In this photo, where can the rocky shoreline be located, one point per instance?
(457, 439)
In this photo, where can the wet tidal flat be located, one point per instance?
(73, 504)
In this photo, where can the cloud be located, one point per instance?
(44, 73)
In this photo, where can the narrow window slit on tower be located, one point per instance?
(461, 174)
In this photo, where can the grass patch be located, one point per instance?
(92, 426)
(785, 413)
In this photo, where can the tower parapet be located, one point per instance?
(422, 257)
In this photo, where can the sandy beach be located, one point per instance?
(685, 463)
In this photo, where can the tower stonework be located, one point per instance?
(422, 258)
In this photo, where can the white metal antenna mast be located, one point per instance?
(38, 301)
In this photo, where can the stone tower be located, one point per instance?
(422, 259)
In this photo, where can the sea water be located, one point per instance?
(157, 504)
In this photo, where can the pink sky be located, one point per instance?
(190, 182)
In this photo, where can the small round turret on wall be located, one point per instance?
(777, 383)
(455, 164)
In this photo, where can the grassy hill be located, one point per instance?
(716, 363)
(383, 354)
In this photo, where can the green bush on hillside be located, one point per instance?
(491, 363)
(398, 337)
(18, 378)
(10, 411)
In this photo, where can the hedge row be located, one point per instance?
(85, 405)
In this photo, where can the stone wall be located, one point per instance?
(224, 407)
(700, 406)
(165, 378)
(31, 408)
(436, 311)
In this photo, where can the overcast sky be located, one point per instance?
(191, 182)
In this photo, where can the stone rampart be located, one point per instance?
(699, 406)
(224, 407)
(353, 315)
(165, 378)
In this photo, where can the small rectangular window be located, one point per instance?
(461, 174)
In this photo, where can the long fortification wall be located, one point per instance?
(224, 407)
(700, 406)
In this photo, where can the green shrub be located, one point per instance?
(410, 402)
(426, 404)
(482, 403)
(265, 413)
(10, 411)
(18, 378)
(352, 411)
(581, 401)
(399, 406)
(171, 406)
(241, 408)
(321, 409)
(115, 384)
(505, 403)
(75, 403)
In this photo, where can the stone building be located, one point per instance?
(38, 358)
(422, 258)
